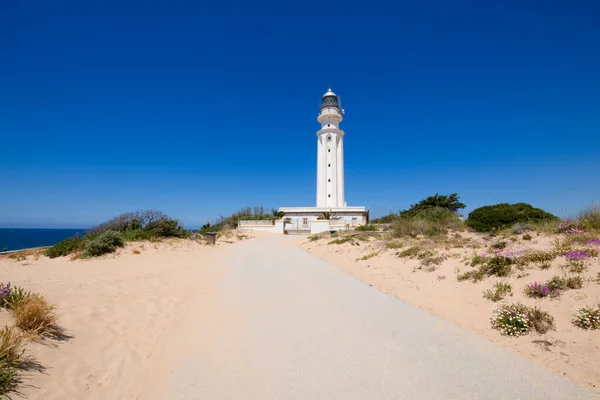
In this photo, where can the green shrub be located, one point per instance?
(499, 245)
(587, 318)
(106, 242)
(65, 247)
(8, 375)
(498, 266)
(527, 237)
(498, 292)
(394, 244)
(365, 228)
(449, 203)
(488, 218)
(517, 319)
(537, 256)
(493, 266)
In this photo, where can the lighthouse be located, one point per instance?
(330, 153)
(331, 212)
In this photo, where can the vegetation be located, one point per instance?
(430, 222)
(498, 291)
(365, 228)
(487, 266)
(589, 218)
(448, 203)
(106, 242)
(367, 256)
(10, 296)
(558, 284)
(66, 247)
(499, 216)
(12, 343)
(517, 319)
(587, 318)
(35, 315)
(106, 237)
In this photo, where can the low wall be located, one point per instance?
(261, 226)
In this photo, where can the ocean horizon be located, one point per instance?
(25, 238)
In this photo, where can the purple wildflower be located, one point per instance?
(538, 290)
(577, 255)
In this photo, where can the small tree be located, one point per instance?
(447, 202)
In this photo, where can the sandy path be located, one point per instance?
(282, 324)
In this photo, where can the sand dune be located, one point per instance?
(120, 310)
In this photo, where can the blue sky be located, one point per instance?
(197, 110)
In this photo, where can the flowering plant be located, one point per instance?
(537, 290)
(511, 319)
(577, 255)
(594, 242)
(569, 225)
(587, 318)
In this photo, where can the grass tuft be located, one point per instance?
(36, 316)
(498, 292)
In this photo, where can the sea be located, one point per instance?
(17, 238)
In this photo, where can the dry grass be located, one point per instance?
(136, 251)
(12, 343)
(367, 256)
(22, 255)
(36, 316)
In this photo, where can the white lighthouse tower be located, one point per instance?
(330, 153)
(331, 212)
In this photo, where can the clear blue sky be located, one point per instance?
(200, 108)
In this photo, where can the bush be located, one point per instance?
(517, 320)
(106, 242)
(541, 321)
(537, 290)
(500, 290)
(489, 218)
(65, 247)
(35, 315)
(448, 203)
(10, 296)
(430, 222)
(365, 228)
(587, 318)
(493, 266)
(511, 319)
(12, 342)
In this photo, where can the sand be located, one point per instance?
(120, 310)
(132, 317)
(568, 350)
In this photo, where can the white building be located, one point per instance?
(331, 211)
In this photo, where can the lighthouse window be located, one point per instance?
(328, 180)
(329, 150)
(328, 195)
(329, 138)
(329, 165)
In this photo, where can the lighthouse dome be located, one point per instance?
(330, 99)
(329, 93)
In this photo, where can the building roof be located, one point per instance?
(329, 93)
